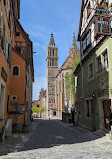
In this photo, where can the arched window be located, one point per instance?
(15, 71)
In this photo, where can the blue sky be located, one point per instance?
(40, 18)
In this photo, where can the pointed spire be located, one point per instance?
(74, 45)
(52, 40)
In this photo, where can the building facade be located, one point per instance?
(52, 69)
(93, 81)
(63, 98)
(15, 69)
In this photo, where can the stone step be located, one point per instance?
(102, 133)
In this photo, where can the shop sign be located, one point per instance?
(4, 74)
(103, 25)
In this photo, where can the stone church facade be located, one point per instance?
(52, 69)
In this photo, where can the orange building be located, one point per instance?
(16, 68)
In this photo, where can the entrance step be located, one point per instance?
(103, 132)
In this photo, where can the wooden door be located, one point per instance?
(107, 112)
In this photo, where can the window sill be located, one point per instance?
(15, 112)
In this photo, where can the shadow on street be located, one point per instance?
(46, 134)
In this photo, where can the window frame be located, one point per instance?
(19, 70)
(84, 43)
(12, 97)
(91, 109)
(89, 73)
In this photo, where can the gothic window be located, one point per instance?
(50, 52)
(52, 62)
(56, 53)
(53, 52)
(48, 62)
(15, 71)
(55, 62)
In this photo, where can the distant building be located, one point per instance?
(63, 99)
(52, 69)
(36, 102)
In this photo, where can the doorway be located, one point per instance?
(107, 112)
(2, 100)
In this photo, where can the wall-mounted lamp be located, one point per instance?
(93, 96)
(81, 98)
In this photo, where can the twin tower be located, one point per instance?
(52, 70)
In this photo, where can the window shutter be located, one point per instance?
(9, 53)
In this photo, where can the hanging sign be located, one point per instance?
(103, 25)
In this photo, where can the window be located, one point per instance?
(52, 62)
(55, 62)
(50, 52)
(105, 57)
(17, 33)
(13, 97)
(4, 2)
(15, 71)
(90, 108)
(53, 52)
(87, 108)
(91, 70)
(9, 53)
(99, 64)
(18, 49)
(2, 98)
(86, 42)
(8, 102)
(88, 10)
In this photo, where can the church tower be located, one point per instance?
(52, 70)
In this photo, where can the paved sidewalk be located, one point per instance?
(16, 141)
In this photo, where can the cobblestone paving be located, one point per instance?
(52, 139)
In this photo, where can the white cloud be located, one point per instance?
(40, 82)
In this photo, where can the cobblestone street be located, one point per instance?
(52, 139)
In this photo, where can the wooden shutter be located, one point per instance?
(9, 53)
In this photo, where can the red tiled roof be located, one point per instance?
(53, 107)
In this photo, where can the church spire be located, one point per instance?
(74, 45)
(52, 43)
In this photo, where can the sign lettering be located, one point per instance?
(103, 25)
